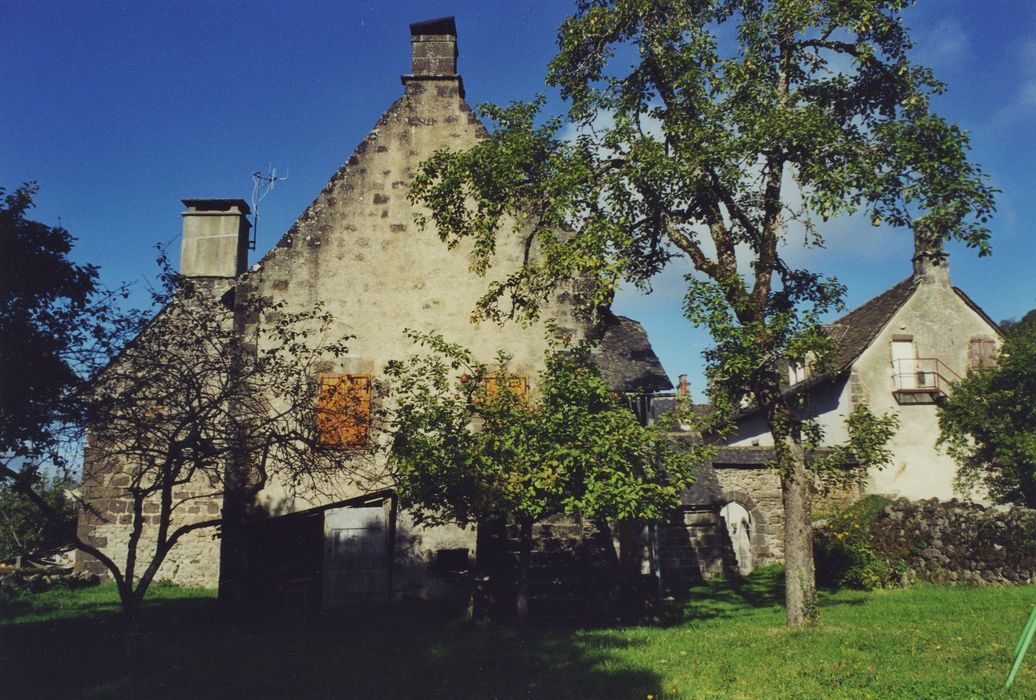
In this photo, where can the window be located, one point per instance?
(344, 409)
(981, 353)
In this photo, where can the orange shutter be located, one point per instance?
(344, 410)
(518, 383)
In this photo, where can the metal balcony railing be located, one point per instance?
(922, 380)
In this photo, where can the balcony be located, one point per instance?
(922, 380)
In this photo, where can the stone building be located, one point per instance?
(898, 353)
(357, 250)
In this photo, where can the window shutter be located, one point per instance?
(518, 383)
(981, 353)
(344, 410)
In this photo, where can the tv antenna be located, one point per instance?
(262, 185)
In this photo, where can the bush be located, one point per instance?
(842, 551)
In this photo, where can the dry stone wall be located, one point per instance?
(956, 542)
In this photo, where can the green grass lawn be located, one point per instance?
(728, 642)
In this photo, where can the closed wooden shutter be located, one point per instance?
(981, 353)
(518, 383)
(344, 410)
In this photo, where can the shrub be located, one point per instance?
(842, 551)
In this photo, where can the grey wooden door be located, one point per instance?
(356, 555)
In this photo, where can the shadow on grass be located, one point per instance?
(739, 596)
(730, 597)
(187, 648)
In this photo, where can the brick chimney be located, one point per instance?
(215, 238)
(683, 389)
(931, 263)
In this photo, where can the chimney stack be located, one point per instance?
(434, 46)
(931, 263)
(683, 391)
(215, 238)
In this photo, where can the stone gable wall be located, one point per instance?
(358, 251)
(106, 524)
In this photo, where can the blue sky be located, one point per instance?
(121, 109)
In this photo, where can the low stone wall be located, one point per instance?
(956, 542)
(35, 580)
(693, 549)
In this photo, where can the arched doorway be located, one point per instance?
(739, 526)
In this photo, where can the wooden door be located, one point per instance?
(904, 363)
(357, 557)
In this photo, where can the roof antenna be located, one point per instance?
(262, 185)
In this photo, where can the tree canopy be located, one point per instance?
(470, 443)
(714, 130)
(475, 444)
(988, 425)
(58, 326)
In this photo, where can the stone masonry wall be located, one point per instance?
(956, 542)
(692, 550)
(759, 491)
(106, 524)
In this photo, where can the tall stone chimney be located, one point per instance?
(215, 238)
(931, 263)
(434, 51)
(434, 45)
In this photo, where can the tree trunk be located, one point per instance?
(799, 572)
(233, 567)
(130, 601)
(521, 603)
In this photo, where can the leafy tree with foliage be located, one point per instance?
(58, 325)
(24, 530)
(988, 425)
(1011, 325)
(705, 129)
(470, 445)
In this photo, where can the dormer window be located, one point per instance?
(797, 373)
(801, 371)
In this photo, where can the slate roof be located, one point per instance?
(666, 404)
(855, 331)
(626, 359)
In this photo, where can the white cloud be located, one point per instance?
(1021, 104)
(943, 46)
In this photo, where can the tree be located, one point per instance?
(988, 425)
(59, 325)
(1010, 325)
(705, 130)
(64, 324)
(195, 411)
(471, 446)
(24, 530)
